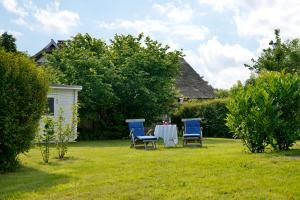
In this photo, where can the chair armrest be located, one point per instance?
(149, 131)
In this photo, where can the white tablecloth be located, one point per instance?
(168, 133)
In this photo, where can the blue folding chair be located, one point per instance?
(192, 131)
(137, 134)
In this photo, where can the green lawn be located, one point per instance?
(111, 170)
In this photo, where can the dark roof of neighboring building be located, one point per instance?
(191, 85)
(48, 48)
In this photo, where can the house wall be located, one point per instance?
(65, 99)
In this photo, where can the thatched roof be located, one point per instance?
(191, 85)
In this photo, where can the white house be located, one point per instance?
(62, 96)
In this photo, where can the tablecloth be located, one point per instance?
(168, 133)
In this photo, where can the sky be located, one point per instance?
(217, 36)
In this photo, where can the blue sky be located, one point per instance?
(217, 36)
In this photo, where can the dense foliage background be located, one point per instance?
(23, 89)
(212, 113)
(130, 77)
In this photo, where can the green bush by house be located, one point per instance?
(266, 111)
(23, 90)
(212, 113)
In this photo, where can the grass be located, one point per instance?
(111, 170)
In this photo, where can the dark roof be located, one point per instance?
(48, 48)
(191, 85)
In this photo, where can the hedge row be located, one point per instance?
(212, 113)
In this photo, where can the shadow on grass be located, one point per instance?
(26, 179)
(210, 140)
(292, 153)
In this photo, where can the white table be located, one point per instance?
(168, 133)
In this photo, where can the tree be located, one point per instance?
(147, 72)
(23, 92)
(7, 41)
(279, 56)
(128, 78)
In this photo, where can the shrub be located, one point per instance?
(23, 90)
(249, 118)
(64, 132)
(45, 137)
(212, 112)
(266, 111)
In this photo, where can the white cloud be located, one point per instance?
(179, 14)
(175, 21)
(13, 7)
(221, 64)
(222, 5)
(16, 34)
(259, 18)
(149, 26)
(190, 32)
(54, 19)
(50, 18)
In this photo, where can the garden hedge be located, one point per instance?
(23, 91)
(212, 113)
(266, 111)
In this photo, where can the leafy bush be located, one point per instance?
(23, 90)
(212, 112)
(65, 132)
(45, 137)
(266, 111)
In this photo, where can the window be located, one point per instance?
(50, 106)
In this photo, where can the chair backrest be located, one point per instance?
(136, 126)
(192, 126)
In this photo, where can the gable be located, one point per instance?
(191, 85)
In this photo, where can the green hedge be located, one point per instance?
(266, 111)
(23, 96)
(212, 112)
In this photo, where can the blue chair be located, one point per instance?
(192, 131)
(137, 134)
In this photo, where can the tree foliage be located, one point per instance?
(279, 56)
(130, 77)
(221, 93)
(23, 89)
(266, 111)
(7, 42)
